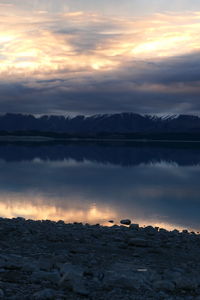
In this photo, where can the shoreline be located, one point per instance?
(37, 139)
(55, 260)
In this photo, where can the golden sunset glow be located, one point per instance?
(36, 208)
(35, 51)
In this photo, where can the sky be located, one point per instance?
(90, 56)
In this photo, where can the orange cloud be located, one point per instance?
(75, 42)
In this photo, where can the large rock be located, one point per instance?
(134, 226)
(125, 222)
(72, 278)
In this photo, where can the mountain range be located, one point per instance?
(102, 123)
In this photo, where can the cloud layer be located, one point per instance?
(78, 62)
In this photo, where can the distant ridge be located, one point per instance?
(101, 123)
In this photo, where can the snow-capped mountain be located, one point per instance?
(110, 123)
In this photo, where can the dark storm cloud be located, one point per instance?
(169, 85)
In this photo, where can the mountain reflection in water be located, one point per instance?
(154, 184)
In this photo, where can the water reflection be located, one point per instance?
(116, 153)
(87, 183)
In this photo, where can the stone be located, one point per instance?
(2, 294)
(69, 269)
(150, 230)
(165, 285)
(162, 230)
(60, 222)
(29, 267)
(46, 294)
(175, 231)
(78, 287)
(45, 264)
(39, 276)
(138, 242)
(12, 276)
(72, 278)
(134, 226)
(125, 222)
(122, 283)
(186, 283)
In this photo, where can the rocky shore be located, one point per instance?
(54, 260)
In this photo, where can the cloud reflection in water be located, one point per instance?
(159, 193)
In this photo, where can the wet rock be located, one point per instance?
(125, 222)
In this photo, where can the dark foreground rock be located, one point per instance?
(54, 260)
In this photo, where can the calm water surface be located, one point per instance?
(154, 184)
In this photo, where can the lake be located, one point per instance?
(150, 183)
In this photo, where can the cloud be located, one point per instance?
(81, 62)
